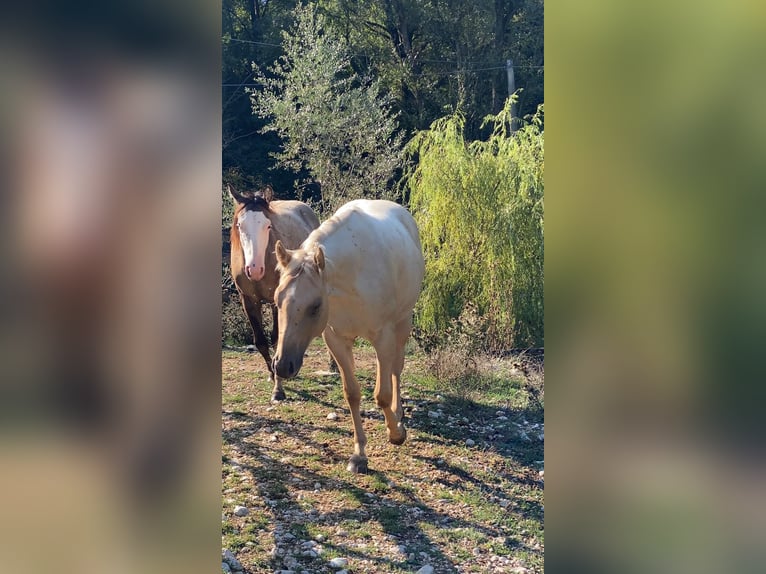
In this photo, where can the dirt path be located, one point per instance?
(463, 494)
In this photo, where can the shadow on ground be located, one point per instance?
(278, 472)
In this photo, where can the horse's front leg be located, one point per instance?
(342, 351)
(255, 314)
(279, 392)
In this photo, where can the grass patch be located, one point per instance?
(434, 494)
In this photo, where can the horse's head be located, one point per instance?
(301, 300)
(253, 224)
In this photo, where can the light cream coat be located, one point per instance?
(358, 275)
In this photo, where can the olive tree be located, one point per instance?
(334, 124)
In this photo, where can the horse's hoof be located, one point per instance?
(402, 436)
(357, 465)
(278, 396)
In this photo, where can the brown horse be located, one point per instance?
(258, 223)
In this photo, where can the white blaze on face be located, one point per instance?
(254, 229)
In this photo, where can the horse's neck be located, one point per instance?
(340, 256)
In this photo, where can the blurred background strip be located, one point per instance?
(110, 346)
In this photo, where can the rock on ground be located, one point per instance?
(227, 556)
(240, 511)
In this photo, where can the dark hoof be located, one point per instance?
(278, 396)
(402, 437)
(357, 465)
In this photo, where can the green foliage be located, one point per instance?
(332, 122)
(430, 57)
(479, 207)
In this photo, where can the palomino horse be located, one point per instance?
(259, 223)
(358, 275)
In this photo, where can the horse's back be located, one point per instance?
(380, 242)
(292, 221)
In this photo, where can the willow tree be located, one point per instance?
(332, 122)
(479, 207)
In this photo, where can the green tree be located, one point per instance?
(332, 122)
(479, 207)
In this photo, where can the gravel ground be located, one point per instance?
(463, 494)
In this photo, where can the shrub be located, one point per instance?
(479, 208)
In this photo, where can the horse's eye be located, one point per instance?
(314, 310)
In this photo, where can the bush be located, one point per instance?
(236, 328)
(479, 208)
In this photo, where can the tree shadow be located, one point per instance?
(278, 474)
(512, 433)
(400, 522)
(288, 515)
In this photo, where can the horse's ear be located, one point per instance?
(268, 193)
(283, 256)
(237, 196)
(319, 258)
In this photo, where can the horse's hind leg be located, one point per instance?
(342, 351)
(402, 334)
(387, 354)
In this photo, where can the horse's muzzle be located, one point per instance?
(255, 274)
(286, 367)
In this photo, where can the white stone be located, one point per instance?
(433, 414)
(338, 562)
(427, 569)
(469, 442)
(240, 511)
(332, 416)
(505, 502)
(317, 486)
